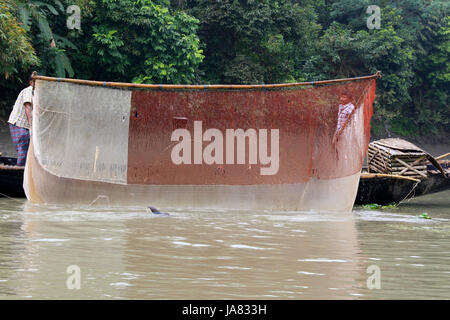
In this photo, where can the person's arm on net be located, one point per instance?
(347, 115)
(28, 111)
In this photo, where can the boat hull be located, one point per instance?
(388, 190)
(11, 178)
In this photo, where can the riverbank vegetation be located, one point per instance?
(240, 41)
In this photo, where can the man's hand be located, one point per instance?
(336, 137)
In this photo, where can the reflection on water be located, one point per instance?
(198, 254)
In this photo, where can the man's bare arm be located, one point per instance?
(28, 111)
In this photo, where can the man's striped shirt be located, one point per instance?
(18, 117)
(345, 112)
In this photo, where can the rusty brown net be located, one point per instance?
(278, 146)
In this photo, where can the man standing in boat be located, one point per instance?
(20, 122)
(346, 110)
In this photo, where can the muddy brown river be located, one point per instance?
(47, 252)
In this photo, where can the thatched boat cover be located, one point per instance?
(399, 144)
(386, 152)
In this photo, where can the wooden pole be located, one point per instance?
(443, 156)
(202, 87)
(382, 175)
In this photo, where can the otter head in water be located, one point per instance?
(155, 211)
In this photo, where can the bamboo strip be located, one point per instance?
(378, 162)
(412, 174)
(398, 165)
(443, 156)
(377, 168)
(381, 171)
(396, 168)
(201, 87)
(378, 153)
(382, 175)
(387, 159)
(409, 173)
(378, 156)
(414, 163)
(401, 169)
(385, 154)
(372, 155)
(8, 167)
(393, 158)
(382, 162)
(403, 156)
(407, 165)
(394, 152)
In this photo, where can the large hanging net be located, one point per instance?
(285, 147)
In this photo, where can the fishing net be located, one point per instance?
(261, 147)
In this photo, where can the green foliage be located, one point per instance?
(39, 18)
(430, 91)
(410, 50)
(243, 41)
(424, 216)
(254, 41)
(16, 50)
(106, 45)
(375, 206)
(120, 40)
(141, 41)
(372, 206)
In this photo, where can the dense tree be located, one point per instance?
(140, 41)
(343, 52)
(252, 41)
(16, 50)
(119, 40)
(16, 54)
(41, 19)
(122, 40)
(430, 90)
(409, 49)
(242, 41)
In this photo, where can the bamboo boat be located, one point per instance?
(227, 146)
(386, 189)
(388, 180)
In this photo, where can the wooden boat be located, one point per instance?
(417, 173)
(387, 189)
(227, 146)
(11, 178)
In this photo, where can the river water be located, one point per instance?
(126, 253)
